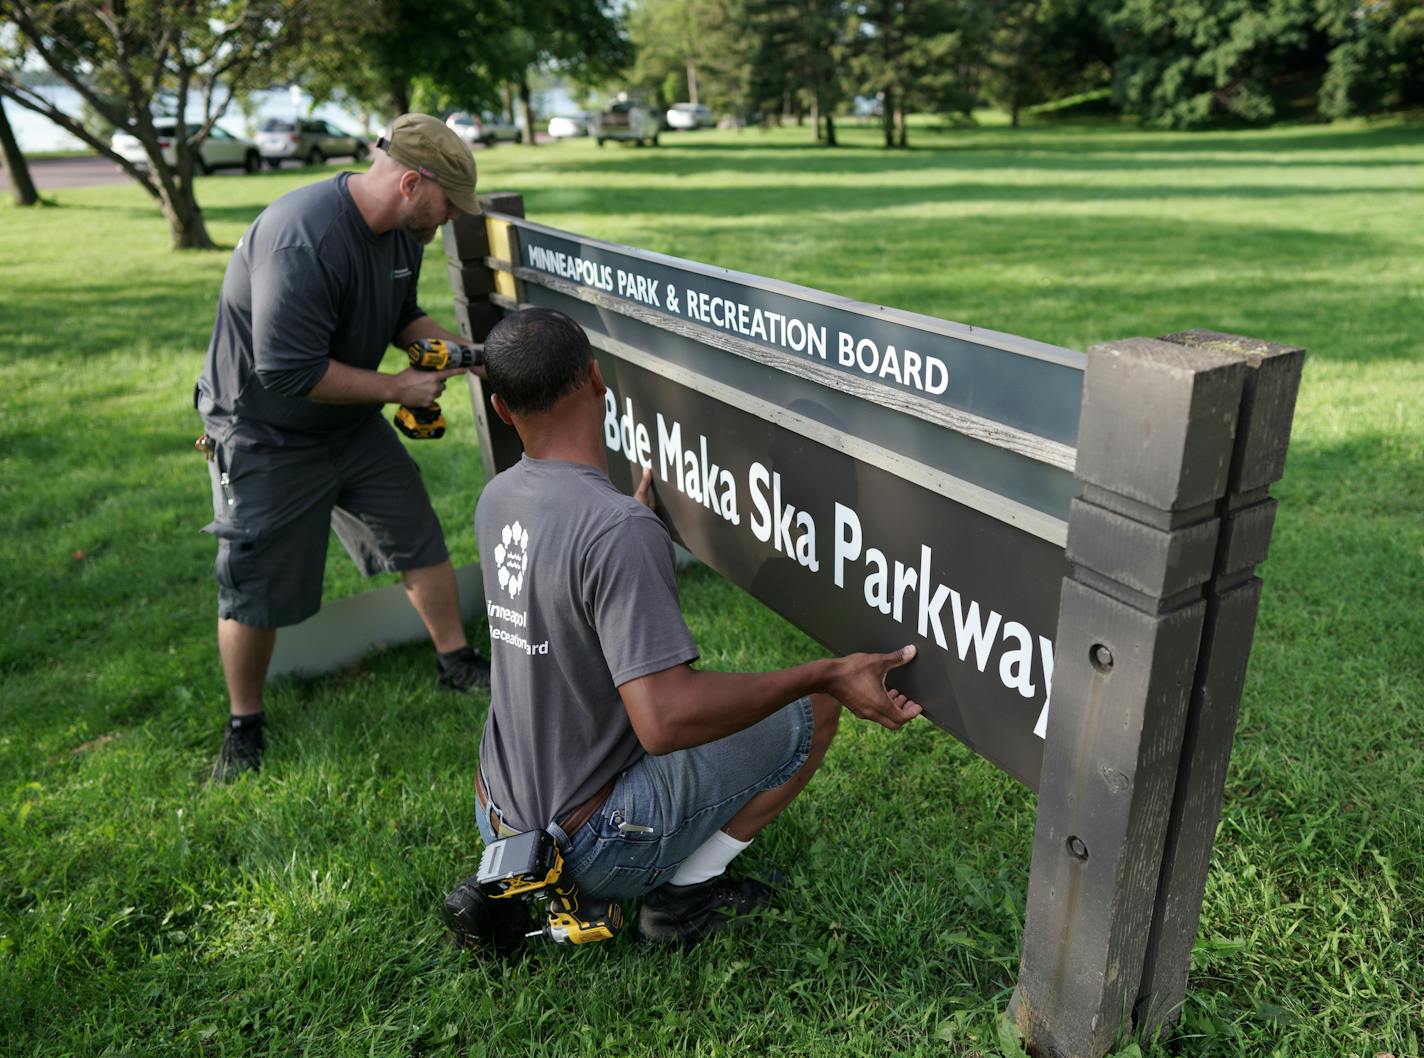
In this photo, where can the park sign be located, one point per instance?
(849, 465)
(1069, 540)
(806, 449)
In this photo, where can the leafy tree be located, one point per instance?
(914, 54)
(1038, 50)
(701, 46)
(1185, 63)
(581, 37)
(385, 55)
(127, 58)
(801, 49)
(1377, 63)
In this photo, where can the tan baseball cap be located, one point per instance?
(436, 152)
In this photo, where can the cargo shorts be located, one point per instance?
(274, 510)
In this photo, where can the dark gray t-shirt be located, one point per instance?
(309, 283)
(581, 596)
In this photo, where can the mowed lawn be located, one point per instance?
(143, 912)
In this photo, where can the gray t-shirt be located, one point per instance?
(307, 284)
(581, 596)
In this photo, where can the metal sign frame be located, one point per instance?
(1120, 498)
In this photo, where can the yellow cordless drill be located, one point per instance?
(530, 866)
(434, 354)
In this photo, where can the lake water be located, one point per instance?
(37, 133)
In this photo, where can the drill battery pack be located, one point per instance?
(524, 863)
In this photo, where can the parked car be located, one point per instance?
(689, 116)
(626, 120)
(219, 149)
(486, 128)
(307, 141)
(568, 125)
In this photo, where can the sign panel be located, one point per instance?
(1014, 381)
(853, 555)
(800, 447)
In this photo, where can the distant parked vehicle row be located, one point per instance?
(308, 142)
(567, 126)
(685, 116)
(218, 150)
(486, 128)
(626, 120)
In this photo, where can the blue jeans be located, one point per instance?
(662, 808)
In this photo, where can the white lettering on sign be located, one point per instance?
(902, 588)
(911, 369)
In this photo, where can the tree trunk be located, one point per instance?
(830, 130)
(185, 216)
(887, 116)
(526, 107)
(903, 135)
(692, 82)
(400, 97)
(816, 116)
(21, 185)
(1014, 113)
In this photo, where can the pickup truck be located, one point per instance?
(626, 121)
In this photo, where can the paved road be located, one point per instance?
(50, 174)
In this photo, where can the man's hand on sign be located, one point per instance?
(858, 683)
(644, 492)
(420, 389)
(682, 706)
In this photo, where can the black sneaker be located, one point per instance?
(241, 749)
(684, 914)
(462, 670)
(480, 924)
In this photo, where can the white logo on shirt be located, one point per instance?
(511, 554)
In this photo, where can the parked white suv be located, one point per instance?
(486, 128)
(307, 142)
(219, 149)
(689, 116)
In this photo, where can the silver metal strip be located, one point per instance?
(1041, 449)
(964, 332)
(981, 499)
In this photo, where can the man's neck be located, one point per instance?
(570, 431)
(375, 208)
(551, 444)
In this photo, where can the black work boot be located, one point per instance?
(462, 670)
(684, 914)
(480, 924)
(241, 749)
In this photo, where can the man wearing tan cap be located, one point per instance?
(321, 284)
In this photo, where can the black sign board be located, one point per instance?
(876, 477)
(854, 556)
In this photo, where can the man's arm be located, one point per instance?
(344, 384)
(425, 327)
(681, 707)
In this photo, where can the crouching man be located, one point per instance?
(651, 775)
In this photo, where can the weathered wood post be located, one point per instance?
(475, 281)
(1154, 449)
(1247, 515)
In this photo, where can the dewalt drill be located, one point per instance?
(529, 866)
(434, 354)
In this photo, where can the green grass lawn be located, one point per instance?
(143, 912)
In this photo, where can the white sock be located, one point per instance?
(709, 860)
